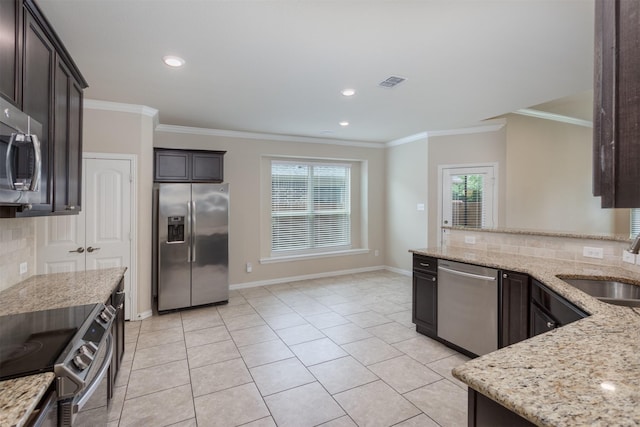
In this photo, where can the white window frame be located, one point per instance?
(634, 222)
(311, 213)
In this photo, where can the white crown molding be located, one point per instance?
(408, 139)
(95, 104)
(263, 136)
(555, 117)
(487, 126)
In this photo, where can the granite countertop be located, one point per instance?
(584, 373)
(18, 397)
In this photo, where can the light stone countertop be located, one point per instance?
(584, 373)
(18, 397)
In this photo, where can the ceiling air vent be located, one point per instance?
(392, 81)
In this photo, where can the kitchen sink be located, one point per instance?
(609, 291)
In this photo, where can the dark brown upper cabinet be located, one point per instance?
(188, 165)
(616, 118)
(38, 76)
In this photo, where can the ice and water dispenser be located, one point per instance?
(176, 229)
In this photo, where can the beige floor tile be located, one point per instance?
(266, 352)
(326, 320)
(349, 308)
(231, 407)
(372, 350)
(158, 323)
(212, 353)
(283, 321)
(279, 376)
(444, 367)
(347, 333)
(235, 300)
(157, 378)
(117, 402)
(442, 401)
(299, 334)
(367, 319)
(206, 336)
(159, 355)
(403, 318)
(166, 336)
(342, 374)
(158, 409)
(244, 321)
(318, 351)
(187, 423)
(332, 299)
(376, 404)
(404, 373)
(265, 300)
(262, 422)
(423, 349)
(123, 375)
(274, 310)
(385, 307)
(256, 292)
(307, 405)
(392, 332)
(230, 311)
(309, 309)
(254, 335)
(340, 422)
(203, 318)
(129, 350)
(419, 421)
(219, 376)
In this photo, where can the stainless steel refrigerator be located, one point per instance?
(191, 238)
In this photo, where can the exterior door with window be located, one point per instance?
(468, 195)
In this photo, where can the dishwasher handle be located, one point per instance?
(465, 274)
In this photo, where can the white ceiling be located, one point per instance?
(277, 66)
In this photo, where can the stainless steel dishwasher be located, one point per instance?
(468, 306)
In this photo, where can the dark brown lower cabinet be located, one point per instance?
(117, 330)
(484, 412)
(425, 303)
(514, 308)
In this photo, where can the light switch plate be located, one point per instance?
(628, 257)
(470, 240)
(24, 267)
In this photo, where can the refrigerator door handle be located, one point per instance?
(193, 231)
(189, 232)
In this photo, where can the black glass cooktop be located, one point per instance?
(32, 342)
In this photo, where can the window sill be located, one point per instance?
(303, 257)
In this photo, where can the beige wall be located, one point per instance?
(242, 170)
(549, 179)
(406, 187)
(129, 133)
(464, 149)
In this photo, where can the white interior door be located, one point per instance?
(468, 196)
(100, 236)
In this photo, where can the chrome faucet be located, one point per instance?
(635, 245)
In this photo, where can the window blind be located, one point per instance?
(467, 199)
(310, 206)
(635, 222)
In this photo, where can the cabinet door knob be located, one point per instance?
(551, 325)
(505, 276)
(79, 250)
(433, 279)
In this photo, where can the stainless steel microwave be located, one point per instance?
(20, 158)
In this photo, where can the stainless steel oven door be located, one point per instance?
(90, 407)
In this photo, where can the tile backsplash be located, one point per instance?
(17, 245)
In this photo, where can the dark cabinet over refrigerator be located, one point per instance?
(191, 237)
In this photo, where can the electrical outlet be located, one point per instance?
(628, 257)
(24, 267)
(249, 267)
(470, 240)
(420, 206)
(376, 253)
(590, 252)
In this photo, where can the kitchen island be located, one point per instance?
(585, 373)
(19, 397)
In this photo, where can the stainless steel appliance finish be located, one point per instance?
(468, 306)
(20, 158)
(192, 245)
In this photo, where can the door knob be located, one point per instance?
(79, 250)
(90, 249)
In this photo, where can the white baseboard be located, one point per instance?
(398, 270)
(143, 315)
(304, 277)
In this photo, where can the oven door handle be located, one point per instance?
(91, 388)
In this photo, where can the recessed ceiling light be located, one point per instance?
(348, 92)
(344, 123)
(173, 61)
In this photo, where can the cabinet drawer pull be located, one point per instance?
(433, 279)
(551, 325)
(70, 208)
(423, 264)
